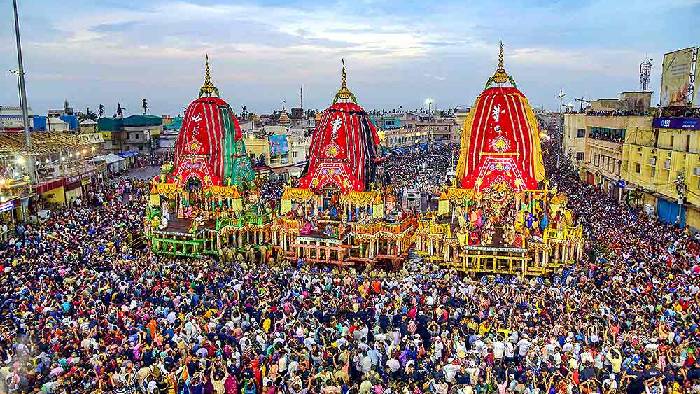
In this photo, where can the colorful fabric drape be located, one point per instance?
(210, 146)
(500, 142)
(343, 150)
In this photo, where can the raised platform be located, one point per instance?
(495, 248)
(181, 227)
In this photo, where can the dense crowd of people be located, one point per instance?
(84, 310)
(421, 168)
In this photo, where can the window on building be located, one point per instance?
(579, 156)
(607, 134)
(687, 143)
(136, 136)
(580, 133)
(294, 154)
(672, 138)
(637, 168)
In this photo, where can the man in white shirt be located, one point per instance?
(523, 346)
(509, 352)
(393, 364)
(450, 371)
(498, 350)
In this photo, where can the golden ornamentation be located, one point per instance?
(332, 150)
(359, 198)
(500, 144)
(166, 189)
(454, 193)
(500, 76)
(208, 89)
(224, 191)
(297, 194)
(344, 94)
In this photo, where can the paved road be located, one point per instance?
(143, 173)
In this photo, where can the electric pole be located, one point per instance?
(22, 89)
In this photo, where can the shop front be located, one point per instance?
(590, 178)
(52, 192)
(73, 188)
(670, 212)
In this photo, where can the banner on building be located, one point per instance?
(675, 77)
(278, 145)
(7, 206)
(676, 123)
(696, 99)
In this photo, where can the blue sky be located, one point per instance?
(398, 52)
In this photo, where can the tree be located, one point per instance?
(87, 115)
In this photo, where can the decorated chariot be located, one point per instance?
(207, 201)
(501, 216)
(337, 214)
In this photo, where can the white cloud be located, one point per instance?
(259, 52)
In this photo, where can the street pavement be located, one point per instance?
(142, 173)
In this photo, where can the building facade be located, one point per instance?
(279, 149)
(137, 133)
(661, 165)
(11, 118)
(594, 143)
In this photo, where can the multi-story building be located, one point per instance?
(111, 130)
(437, 127)
(137, 134)
(460, 117)
(168, 137)
(593, 140)
(11, 118)
(404, 137)
(279, 149)
(408, 129)
(390, 122)
(142, 133)
(594, 143)
(661, 165)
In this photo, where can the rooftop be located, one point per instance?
(44, 142)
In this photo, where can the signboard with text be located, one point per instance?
(676, 123)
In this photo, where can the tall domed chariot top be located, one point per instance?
(209, 150)
(500, 144)
(344, 146)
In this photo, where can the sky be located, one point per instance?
(398, 52)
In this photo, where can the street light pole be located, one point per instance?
(29, 160)
(22, 88)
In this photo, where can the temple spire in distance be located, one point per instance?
(208, 89)
(344, 94)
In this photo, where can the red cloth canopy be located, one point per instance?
(199, 149)
(343, 150)
(501, 142)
